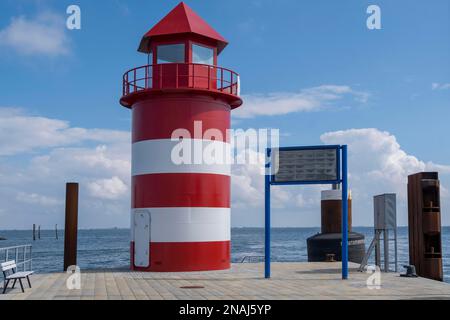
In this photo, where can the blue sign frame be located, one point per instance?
(342, 176)
(327, 147)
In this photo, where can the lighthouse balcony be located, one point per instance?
(181, 77)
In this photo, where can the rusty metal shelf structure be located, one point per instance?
(424, 224)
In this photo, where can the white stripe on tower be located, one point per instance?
(189, 224)
(157, 156)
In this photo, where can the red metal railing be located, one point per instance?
(181, 76)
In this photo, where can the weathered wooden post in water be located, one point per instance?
(34, 232)
(71, 225)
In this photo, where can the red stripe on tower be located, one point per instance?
(180, 113)
(180, 190)
(180, 217)
(195, 256)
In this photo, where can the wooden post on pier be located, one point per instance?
(71, 225)
(34, 232)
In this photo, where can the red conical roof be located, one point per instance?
(182, 20)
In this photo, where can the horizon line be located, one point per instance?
(239, 227)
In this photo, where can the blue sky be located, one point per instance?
(314, 59)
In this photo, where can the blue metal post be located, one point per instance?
(344, 214)
(267, 218)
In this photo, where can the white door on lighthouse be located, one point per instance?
(142, 228)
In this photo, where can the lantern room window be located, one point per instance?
(171, 53)
(202, 55)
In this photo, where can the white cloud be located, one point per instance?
(39, 156)
(22, 133)
(100, 160)
(123, 7)
(43, 35)
(113, 188)
(37, 199)
(376, 155)
(307, 100)
(377, 165)
(440, 86)
(247, 184)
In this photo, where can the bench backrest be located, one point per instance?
(8, 265)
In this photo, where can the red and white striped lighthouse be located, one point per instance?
(180, 217)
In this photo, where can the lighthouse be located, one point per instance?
(180, 215)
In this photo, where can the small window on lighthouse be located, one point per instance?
(171, 53)
(202, 55)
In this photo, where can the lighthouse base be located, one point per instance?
(186, 256)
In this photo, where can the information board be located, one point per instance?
(305, 165)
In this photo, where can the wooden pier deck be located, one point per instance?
(309, 281)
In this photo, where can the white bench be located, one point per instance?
(9, 273)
